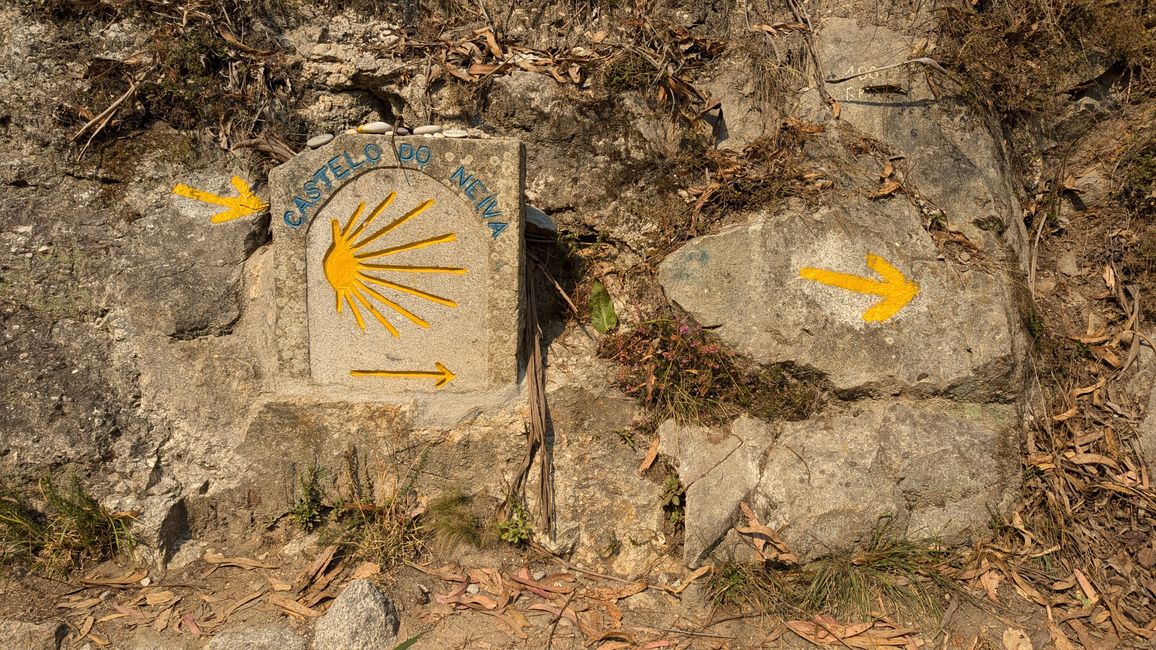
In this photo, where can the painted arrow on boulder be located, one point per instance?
(442, 374)
(242, 205)
(895, 289)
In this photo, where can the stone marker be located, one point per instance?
(783, 288)
(399, 263)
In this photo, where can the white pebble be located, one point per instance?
(456, 133)
(319, 140)
(427, 129)
(375, 127)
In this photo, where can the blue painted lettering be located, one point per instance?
(372, 153)
(339, 172)
(323, 178)
(460, 176)
(491, 210)
(353, 165)
(405, 152)
(473, 185)
(497, 227)
(311, 190)
(291, 219)
(302, 205)
(423, 159)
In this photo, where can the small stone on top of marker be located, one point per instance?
(428, 129)
(456, 133)
(401, 130)
(319, 140)
(375, 127)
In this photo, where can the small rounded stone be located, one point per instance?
(375, 127)
(401, 130)
(456, 133)
(319, 140)
(427, 129)
(439, 135)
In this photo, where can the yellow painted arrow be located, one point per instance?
(895, 289)
(242, 205)
(442, 374)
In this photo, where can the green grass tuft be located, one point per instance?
(70, 529)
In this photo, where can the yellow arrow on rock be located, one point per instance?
(242, 205)
(895, 289)
(442, 374)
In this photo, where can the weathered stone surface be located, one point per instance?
(444, 299)
(950, 154)
(960, 335)
(595, 474)
(32, 636)
(257, 638)
(362, 618)
(718, 468)
(937, 467)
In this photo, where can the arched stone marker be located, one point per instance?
(399, 263)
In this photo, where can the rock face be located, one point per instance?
(935, 467)
(952, 157)
(362, 618)
(860, 285)
(32, 636)
(959, 336)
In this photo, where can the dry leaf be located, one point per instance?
(651, 455)
(293, 607)
(612, 594)
(1086, 587)
(162, 621)
(481, 69)
(86, 626)
(1059, 638)
(129, 578)
(700, 572)
(154, 598)
(887, 189)
(990, 582)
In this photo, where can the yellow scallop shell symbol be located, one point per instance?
(350, 273)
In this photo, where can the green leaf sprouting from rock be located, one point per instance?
(602, 315)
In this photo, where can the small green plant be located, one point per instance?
(70, 529)
(674, 499)
(517, 529)
(748, 586)
(1035, 327)
(307, 512)
(627, 436)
